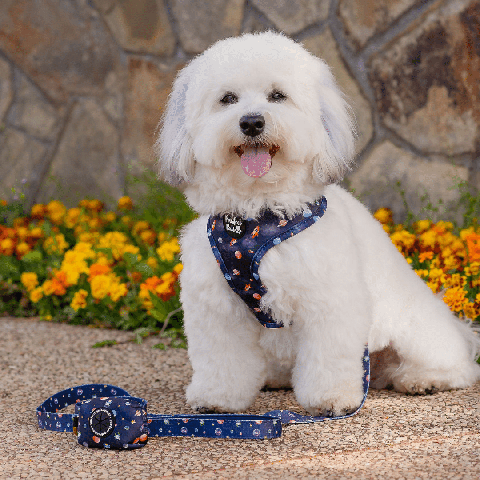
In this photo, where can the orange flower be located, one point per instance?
(59, 283)
(98, 269)
(425, 256)
(473, 247)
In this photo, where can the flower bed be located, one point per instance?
(448, 262)
(87, 266)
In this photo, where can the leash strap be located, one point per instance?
(107, 416)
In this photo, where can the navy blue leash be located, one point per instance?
(109, 417)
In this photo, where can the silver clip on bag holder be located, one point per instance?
(109, 417)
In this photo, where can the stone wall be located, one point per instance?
(83, 84)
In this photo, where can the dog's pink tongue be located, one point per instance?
(256, 162)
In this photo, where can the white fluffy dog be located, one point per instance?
(257, 123)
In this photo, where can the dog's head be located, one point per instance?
(255, 108)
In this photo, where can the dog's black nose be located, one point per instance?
(252, 125)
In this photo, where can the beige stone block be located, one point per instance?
(291, 16)
(61, 46)
(427, 81)
(21, 158)
(376, 178)
(202, 23)
(32, 113)
(146, 97)
(6, 92)
(141, 26)
(363, 19)
(325, 47)
(87, 161)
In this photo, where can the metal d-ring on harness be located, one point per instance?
(109, 417)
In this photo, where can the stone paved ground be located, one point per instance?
(393, 436)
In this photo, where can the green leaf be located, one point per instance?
(130, 259)
(32, 257)
(8, 267)
(104, 343)
(144, 268)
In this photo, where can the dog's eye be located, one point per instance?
(276, 96)
(229, 98)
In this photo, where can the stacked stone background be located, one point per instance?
(83, 84)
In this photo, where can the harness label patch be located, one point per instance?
(234, 226)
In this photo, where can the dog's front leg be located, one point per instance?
(328, 372)
(228, 366)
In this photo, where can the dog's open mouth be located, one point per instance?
(256, 160)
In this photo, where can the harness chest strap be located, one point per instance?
(239, 245)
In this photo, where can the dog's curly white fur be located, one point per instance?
(337, 285)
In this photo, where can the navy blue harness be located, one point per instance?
(239, 245)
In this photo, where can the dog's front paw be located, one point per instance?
(205, 399)
(337, 401)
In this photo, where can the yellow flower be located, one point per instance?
(56, 244)
(446, 226)
(74, 265)
(48, 287)
(7, 246)
(109, 217)
(38, 210)
(22, 249)
(167, 250)
(162, 236)
(29, 280)
(428, 239)
(422, 273)
(148, 236)
(455, 280)
(403, 239)
(125, 203)
(470, 311)
(56, 211)
(421, 226)
(72, 217)
(100, 285)
(22, 233)
(436, 274)
(117, 291)
(455, 298)
(472, 269)
(79, 300)
(152, 263)
(36, 232)
(36, 294)
(178, 268)
(126, 220)
(383, 215)
(140, 226)
(433, 286)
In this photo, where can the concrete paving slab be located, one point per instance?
(394, 435)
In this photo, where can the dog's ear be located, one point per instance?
(338, 135)
(173, 147)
